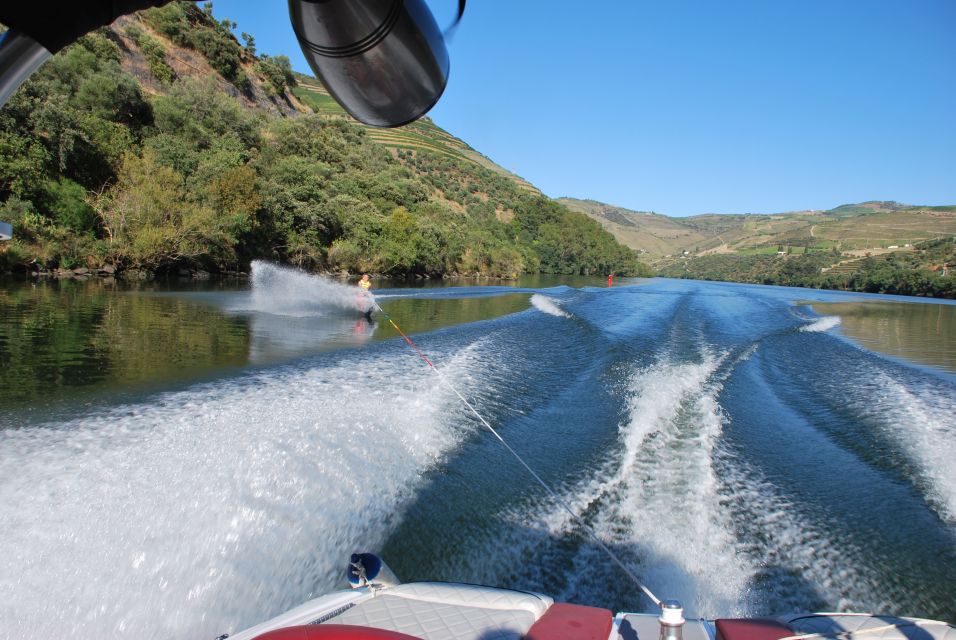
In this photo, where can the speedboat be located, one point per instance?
(379, 607)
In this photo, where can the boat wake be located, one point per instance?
(656, 505)
(921, 422)
(692, 519)
(192, 515)
(822, 324)
(548, 305)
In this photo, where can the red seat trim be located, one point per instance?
(751, 629)
(572, 622)
(333, 632)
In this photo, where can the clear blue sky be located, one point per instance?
(694, 106)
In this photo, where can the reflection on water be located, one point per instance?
(67, 340)
(924, 333)
(58, 337)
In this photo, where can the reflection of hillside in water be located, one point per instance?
(67, 337)
(923, 333)
(275, 338)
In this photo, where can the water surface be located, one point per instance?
(185, 463)
(914, 331)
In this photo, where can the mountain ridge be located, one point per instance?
(867, 226)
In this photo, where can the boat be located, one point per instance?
(379, 607)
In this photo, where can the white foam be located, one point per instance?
(923, 421)
(660, 496)
(822, 324)
(837, 569)
(663, 499)
(670, 491)
(205, 511)
(548, 305)
(290, 292)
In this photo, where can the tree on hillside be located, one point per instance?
(151, 220)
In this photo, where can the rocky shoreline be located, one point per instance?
(109, 273)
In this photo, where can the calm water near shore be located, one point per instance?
(183, 460)
(915, 331)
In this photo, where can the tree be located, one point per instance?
(152, 222)
(250, 43)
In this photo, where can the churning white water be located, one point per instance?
(657, 495)
(548, 305)
(204, 511)
(823, 324)
(922, 421)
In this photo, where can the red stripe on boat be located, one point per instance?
(751, 629)
(333, 631)
(572, 622)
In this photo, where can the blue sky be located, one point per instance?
(692, 106)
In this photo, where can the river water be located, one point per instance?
(184, 462)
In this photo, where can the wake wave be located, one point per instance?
(787, 552)
(695, 522)
(669, 502)
(657, 503)
(290, 292)
(923, 421)
(548, 305)
(207, 510)
(823, 324)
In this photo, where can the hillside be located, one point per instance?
(420, 135)
(162, 145)
(861, 228)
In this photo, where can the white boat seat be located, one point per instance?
(883, 627)
(441, 611)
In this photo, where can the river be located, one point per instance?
(181, 462)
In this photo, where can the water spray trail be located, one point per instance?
(284, 291)
(923, 421)
(621, 565)
(656, 501)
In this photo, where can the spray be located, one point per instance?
(286, 291)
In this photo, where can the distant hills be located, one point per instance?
(852, 228)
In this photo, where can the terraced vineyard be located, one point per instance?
(848, 267)
(422, 135)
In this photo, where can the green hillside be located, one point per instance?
(161, 144)
(420, 135)
(925, 269)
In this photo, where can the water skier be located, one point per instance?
(365, 301)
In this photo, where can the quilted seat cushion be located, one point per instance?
(884, 627)
(440, 611)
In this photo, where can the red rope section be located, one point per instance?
(413, 345)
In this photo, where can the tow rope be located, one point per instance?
(524, 464)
